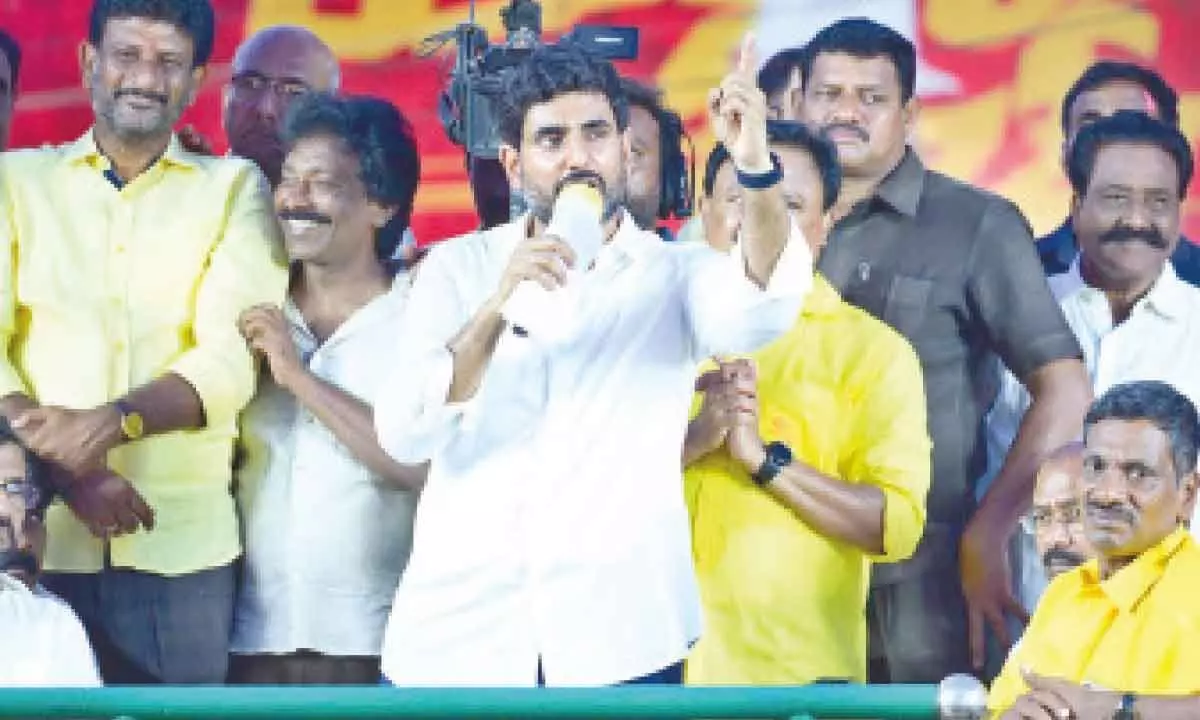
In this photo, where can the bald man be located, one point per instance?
(1057, 516)
(271, 70)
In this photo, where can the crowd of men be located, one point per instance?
(846, 427)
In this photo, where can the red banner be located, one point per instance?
(995, 71)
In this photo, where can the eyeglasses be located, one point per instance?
(21, 491)
(1041, 519)
(254, 85)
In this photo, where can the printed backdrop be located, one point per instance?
(992, 76)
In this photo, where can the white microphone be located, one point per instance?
(550, 315)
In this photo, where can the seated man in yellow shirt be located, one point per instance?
(804, 465)
(1119, 636)
(125, 262)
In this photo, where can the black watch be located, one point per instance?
(761, 181)
(1125, 709)
(778, 457)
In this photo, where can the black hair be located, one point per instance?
(12, 51)
(382, 139)
(789, 134)
(773, 76)
(1102, 73)
(1127, 127)
(194, 17)
(863, 38)
(37, 473)
(1160, 404)
(549, 71)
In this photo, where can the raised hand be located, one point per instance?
(738, 113)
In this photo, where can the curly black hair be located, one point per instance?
(549, 71)
(193, 17)
(1127, 127)
(382, 139)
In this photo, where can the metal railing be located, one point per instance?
(957, 698)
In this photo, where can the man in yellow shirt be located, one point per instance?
(1126, 624)
(125, 266)
(804, 465)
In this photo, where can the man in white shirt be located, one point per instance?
(44, 643)
(552, 545)
(1134, 317)
(327, 514)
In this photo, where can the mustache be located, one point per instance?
(856, 129)
(1096, 506)
(586, 177)
(306, 215)
(1124, 233)
(11, 560)
(1063, 556)
(144, 94)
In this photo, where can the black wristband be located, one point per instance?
(761, 181)
(778, 457)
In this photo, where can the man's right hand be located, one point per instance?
(542, 259)
(108, 505)
(723, 400)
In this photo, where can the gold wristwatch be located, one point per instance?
(132, 426)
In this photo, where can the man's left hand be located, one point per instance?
(987, 584)
(78, 440)
(744, 442)
(738, 113)
(1056, 699)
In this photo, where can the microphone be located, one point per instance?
(551, 314)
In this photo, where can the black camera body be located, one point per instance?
(466, 110)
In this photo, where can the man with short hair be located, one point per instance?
(1119, 636)
(272, 69)
(645, 165)
(10, 70)
(327, 515)
(44, 643)
(546, 374)
(837, 403)
(127, 261)
(1056, 516)
(953, 269)
(1104, 88)
(779, 79)
(1133, 316)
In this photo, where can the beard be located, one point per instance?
(131, 126)
(540, 201)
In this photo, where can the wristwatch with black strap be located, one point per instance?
(778, 457)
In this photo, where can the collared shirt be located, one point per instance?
(107, 290)
(552, 523)
(844, 392)
(326, 539)
(1137, 631)
(1166, 320)
(44, 642)
(952, 268)
(1059, 250)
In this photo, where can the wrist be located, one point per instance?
(112, 424)
(753, 457)
(756, 164)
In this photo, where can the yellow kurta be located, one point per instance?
(782, 603)
(104, 290)
(1138, 631)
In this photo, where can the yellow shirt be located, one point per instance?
(104, 290)
(782, 603)
(1138, 631)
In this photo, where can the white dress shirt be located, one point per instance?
(552, 525)
(1160, 340)
(326, 539)
(44, 644)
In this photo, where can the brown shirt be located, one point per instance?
(954, 270)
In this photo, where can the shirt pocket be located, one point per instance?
(907, 304)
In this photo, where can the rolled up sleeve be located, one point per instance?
(413, 419)
(245, 268)
(729, 313)
(10, 382)
(894, 451)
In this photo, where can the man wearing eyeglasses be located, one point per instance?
(44, 642)
(271, 70)
(1056, 520)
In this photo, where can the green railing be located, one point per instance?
(886, 702)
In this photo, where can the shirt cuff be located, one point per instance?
(415, 421)
(10, 382)
(793, 267)
(224, 383)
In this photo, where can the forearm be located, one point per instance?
(472, 350)
(844, 511)
(764, 231)
(352, 422)
(167, 404)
